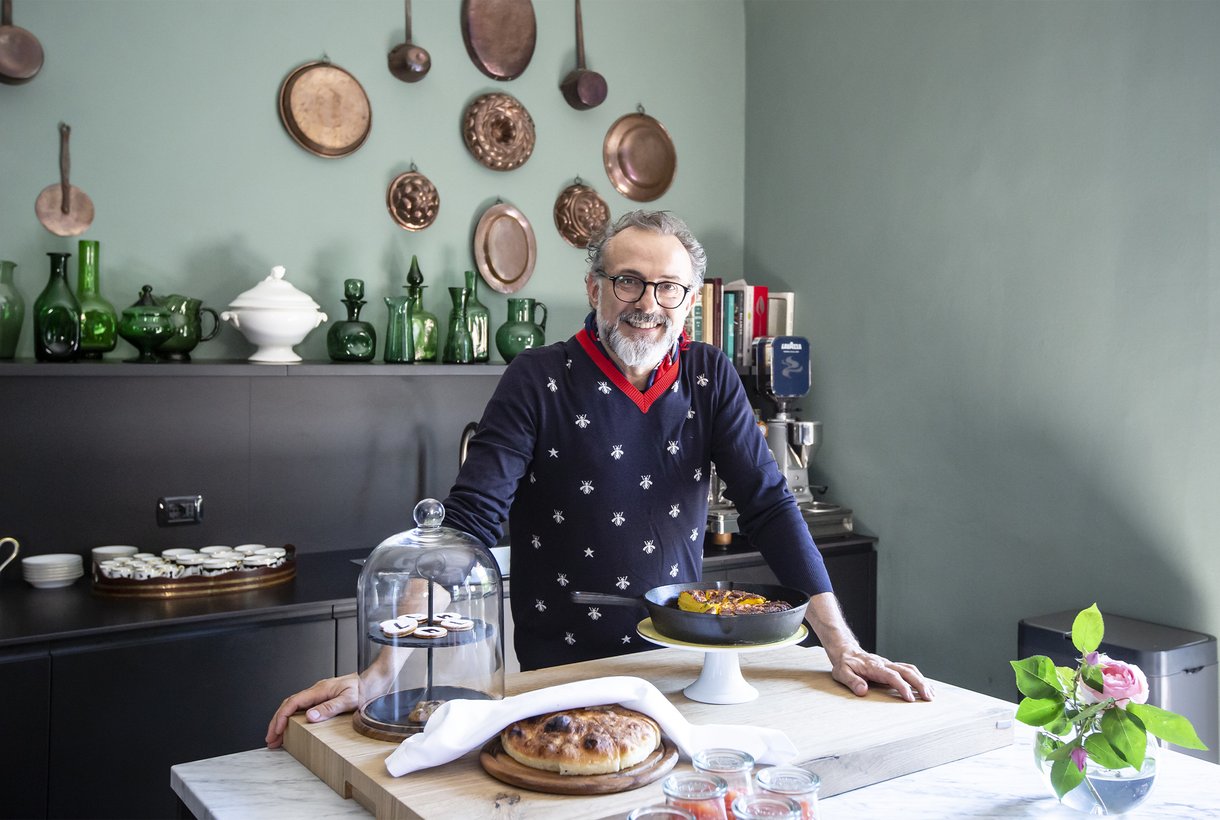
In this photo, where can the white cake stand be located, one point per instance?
(721, 680)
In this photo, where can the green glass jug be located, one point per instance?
(98, 320)
(425, 328)
(459, 347)
(399, 338)
(57, 316)
(186, 314)
(478, 320)
(352, 340)
(521, 331)
(12, 310)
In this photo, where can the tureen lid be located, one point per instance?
(274, 292)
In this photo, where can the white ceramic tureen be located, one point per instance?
(274, 316)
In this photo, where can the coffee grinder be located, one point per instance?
(780, 366)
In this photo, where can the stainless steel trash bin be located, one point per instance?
(1180, 664)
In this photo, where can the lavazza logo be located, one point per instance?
(790, 346)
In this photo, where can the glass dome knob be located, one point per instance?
(429, 514)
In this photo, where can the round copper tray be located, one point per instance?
(325, 110)
(504, 248)
(413, 200)
(640, 157)
(499, 132)
(580, 214)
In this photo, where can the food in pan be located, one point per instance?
(728, 602)
(593, 740)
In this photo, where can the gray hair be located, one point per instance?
(661, 222)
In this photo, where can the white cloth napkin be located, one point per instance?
(461, 725)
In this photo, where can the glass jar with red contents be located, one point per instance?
(660, 813)
(765, 806)
(793, 782)
(700, 794)
(735, 768)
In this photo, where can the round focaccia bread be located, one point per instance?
(594, 740)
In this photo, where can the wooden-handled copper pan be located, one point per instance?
(705, 628)
(62, 208)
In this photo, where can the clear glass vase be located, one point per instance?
(1104, 791)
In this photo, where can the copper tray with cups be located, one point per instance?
(157, 584)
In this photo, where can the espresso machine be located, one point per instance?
(780, 369)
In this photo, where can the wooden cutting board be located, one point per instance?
(849, 742)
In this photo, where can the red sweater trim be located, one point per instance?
(667, 374)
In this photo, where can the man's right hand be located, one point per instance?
(323, 700)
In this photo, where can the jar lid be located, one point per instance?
(274, 292)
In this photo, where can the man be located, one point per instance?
(598, 452)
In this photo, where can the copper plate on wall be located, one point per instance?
(639, 156)
(504, 248)
(499, 36)
(499, 132)
(413, 200)
(580, 214)
(325, 109)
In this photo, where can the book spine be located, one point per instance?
(731, 320)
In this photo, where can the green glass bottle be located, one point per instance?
(57, 316)
(98, 319)
(12, 310)
(399, 335)
(478, 319)
(425, 329)
(459, 348)
(352, 340)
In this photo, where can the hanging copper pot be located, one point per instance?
(325, 110)
(639, 156)
(580, 214)
(582, 88)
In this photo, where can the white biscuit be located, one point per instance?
(456, 624)
(431, 632)
(394, 630)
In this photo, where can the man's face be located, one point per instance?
(640, 334)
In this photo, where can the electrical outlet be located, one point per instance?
(179, 509)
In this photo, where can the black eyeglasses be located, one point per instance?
(631, 289)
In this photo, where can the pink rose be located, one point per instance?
(1124, 682)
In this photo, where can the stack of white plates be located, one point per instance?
(51, 571)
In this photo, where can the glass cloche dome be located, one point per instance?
(431, 626)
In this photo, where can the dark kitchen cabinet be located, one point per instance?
(24, 723)
(122, 713)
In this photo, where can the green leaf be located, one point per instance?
(1040, 711)
(1093, 678)
(1167, 725)
(1126, 734)
(1067, 677)
(1087, 630)
(1102, 752)
(1065, 777)
(1036, 677)
(1059, 727)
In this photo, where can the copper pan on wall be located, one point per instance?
(62, 208)
(639, 156)
(500, 36)
(324, 109)
(413, 200)
(505, 249)
(21, 54)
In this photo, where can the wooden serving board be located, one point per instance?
(850, 742)
(500, 765)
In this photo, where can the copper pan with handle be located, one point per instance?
(705, 628)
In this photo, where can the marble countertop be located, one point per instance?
(1003, 783)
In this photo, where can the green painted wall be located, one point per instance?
(1001, 219)
(199, 189)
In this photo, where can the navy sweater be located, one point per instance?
(606, 490)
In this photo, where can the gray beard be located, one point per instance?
(638, 353)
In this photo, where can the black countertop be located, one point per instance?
(325, 585)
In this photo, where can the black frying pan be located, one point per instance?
(702, 627)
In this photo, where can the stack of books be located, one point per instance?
(732, 314)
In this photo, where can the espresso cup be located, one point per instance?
(8, 539)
